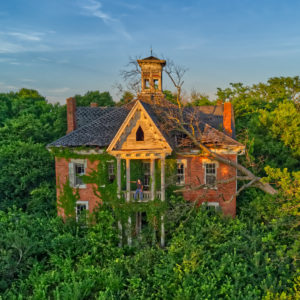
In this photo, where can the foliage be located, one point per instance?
(170, 96)
(207, 256)
(102, 99)
(24, 167)
(67, 200)
(125, 98)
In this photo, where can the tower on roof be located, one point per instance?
(151, 74)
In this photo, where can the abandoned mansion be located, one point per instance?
(149, 139)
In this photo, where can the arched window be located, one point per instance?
(140, 134)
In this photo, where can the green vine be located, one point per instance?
(67, 199)
(106, 190)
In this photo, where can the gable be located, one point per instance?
(138, 133)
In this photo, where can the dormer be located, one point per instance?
(151, 74)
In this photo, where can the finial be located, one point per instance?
(151, 50)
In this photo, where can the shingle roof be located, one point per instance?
(85, 115)
(99, 132)
(97, 126)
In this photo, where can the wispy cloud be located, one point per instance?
(94, 8)
(34, 36)
(20, 41)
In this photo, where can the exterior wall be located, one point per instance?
(62, 174)
(196, 169)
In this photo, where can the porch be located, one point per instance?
(146, 196)
(149, 193)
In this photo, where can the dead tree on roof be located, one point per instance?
(132, 75)
(189, 126)
(176, 120)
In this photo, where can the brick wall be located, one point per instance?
(196, 169)
(62, 174)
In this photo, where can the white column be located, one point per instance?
(162, 191)
(152, 174)
(127, 179)
(119, 176)
(119, 196)
(129, 240)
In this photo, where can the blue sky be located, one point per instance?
(66, 47)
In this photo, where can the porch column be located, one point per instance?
(127, 180)
(152, 174)
(162, 195)
(119, 196)
(129, 240)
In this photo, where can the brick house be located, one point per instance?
(142, 130)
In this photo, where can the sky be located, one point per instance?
(67, 47)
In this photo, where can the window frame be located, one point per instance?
(111, 176)
(183, 175)
(214, 204)
(72, 172)
(81, 202)
(215, 185)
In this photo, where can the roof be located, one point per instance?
(97, 126)
(150, 58)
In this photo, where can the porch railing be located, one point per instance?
(146, 196)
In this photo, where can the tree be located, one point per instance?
(126, 98)
(102, 99)
(200, 99)
(187, 126)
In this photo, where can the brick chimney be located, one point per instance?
(227, 118)
(71, 114)
(94, 104)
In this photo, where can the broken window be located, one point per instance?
(79, 171)
(180, 173)
(211, 207)
(111, 172)
(81, 210)
(140, 134)
(210, 174)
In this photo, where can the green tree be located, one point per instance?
(126, 98)
(102, 99)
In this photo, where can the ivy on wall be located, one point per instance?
(67, 199)
(106, 190)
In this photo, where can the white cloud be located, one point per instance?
(34, 36)
(94, 8)
(20, 41)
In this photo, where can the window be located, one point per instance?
(147, 84)
(111, 172)
(211, 206)
(155, 83)
(81, 210)
(139, 134)
(77, 168)
(180, 173)
(210, 174)
(79, 171)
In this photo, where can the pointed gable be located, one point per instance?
(139, 132)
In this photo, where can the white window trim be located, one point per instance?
(204, 163)
(81, 202)
(216, 205)
(184, 162)
(79, 161)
